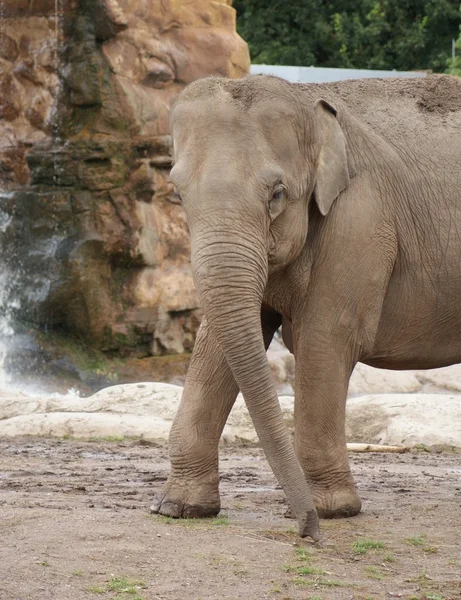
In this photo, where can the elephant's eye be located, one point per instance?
(176, 197)
(277, 202)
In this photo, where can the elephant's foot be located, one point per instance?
(337, 504)
(187, 499)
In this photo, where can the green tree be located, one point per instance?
(369, 34)
(454, 65)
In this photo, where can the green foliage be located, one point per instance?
(367, 34)
(363, 545)
(454, 65)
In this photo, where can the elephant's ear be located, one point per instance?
(335, 168)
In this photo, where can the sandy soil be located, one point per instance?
(74, 525)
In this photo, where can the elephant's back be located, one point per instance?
(418, 115)
(418, 106)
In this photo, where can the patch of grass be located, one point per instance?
(223, 520)
(123, 587)
(303, 555)
(108, 438)
(389, 557)
(422, 579)
(317, 582)
(97, 590)
(304, 570)
(77, 573)
(417, 540)
(44, 563)
(364, 545)
(164, 519)
(373, 573)
(430, 549)
(422, 448)
(216, 522)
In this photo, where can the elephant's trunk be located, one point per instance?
(230, 271)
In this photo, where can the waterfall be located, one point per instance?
(18, 285)
(8, 302)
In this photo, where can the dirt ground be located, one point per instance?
(74, 525)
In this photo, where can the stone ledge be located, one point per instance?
(146, 410)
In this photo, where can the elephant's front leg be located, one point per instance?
(323, 368)
(192, 489)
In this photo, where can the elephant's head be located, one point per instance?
(249, 155)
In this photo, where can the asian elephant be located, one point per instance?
(334, 210)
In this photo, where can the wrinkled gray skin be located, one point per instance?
(335, 210)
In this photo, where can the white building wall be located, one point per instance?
(323, 75)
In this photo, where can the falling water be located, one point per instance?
(7, 310)
(6, 306)
(11, 275)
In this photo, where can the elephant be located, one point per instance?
(334, 211)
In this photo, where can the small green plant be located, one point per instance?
(113, 438)
(422, 448)
(44, 563)
(163, 519)
(223, 520)
(417, 540)
(196, 523)
(363, 545)
(77, 573)
(304, 570)
(303, 554)
(95, 589)
(318, 582)
(373, 573)
(423, 577)
(124, 585)
(123, 588)
(389, 557)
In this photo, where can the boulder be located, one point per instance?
(367, 380)
(146, 410)
(428, 420)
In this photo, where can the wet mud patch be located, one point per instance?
(74, 525)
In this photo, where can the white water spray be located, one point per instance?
(11, 277)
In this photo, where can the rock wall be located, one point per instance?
(89, 232)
